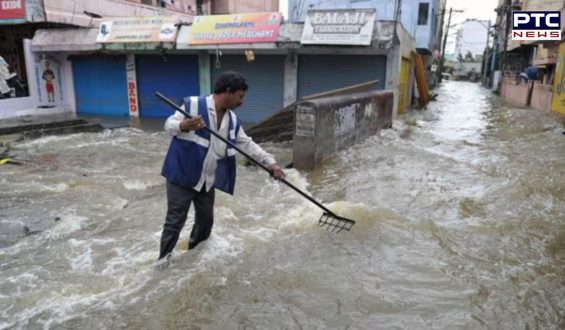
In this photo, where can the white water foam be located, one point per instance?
(140, 185)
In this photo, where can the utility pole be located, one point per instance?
(445, 41)
(485, 60)
(507, 12)
(438, 72)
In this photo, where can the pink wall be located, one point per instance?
(541, 97)
(73, 13)
(183, 6)
(514, 94)
(244, 6)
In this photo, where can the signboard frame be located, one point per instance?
(147, 29)
(352, 27)
(235, 29)
(12, 11)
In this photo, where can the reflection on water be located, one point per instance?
(459, 215)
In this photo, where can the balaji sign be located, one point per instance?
(339, 27)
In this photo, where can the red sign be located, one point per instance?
(12, 9)
(132, 97)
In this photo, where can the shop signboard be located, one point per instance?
(138, 30)
(132, 86)
(235, 29)
(21, 11)
(12, 11)
(339, 27)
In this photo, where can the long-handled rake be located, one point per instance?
(333, 222)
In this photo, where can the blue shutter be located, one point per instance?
(101, 85)
(321, 73)
(176, 76)
(265, 77)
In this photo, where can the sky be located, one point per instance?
(478, 9)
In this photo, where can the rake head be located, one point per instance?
(334, 223)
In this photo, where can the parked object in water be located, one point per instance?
(5, 75)
(10, 83)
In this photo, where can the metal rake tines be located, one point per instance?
(334, 223)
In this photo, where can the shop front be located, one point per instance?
(245, 43)
(265, 76)
(100, 85)
(320, 73)
(176, 76)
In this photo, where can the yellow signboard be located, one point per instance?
(235, 29)
(138, 29)
(558, 101)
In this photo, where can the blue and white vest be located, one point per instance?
(185, 159)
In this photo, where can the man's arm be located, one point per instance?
(178, 123)
(245, 143)
(172, 124)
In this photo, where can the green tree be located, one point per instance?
(469, 57)
(460, 58)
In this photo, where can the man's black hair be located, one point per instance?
(230, 81)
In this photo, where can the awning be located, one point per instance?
(64, 40)
(290, 35)
(84, 40)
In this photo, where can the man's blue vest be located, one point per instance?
(185, 159)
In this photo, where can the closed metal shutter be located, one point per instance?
(176, 76)
(100, 85)
(265, 77)
(321, 73)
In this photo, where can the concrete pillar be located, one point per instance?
(133, 97)
(204, 65)
(326, 125)
(393, 61)
(290, 78)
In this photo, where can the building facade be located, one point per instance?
(419, 19)
(543, 89)
(71, 70)
(36, 79)
(222, 7)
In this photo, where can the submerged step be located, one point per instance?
(82, 128)
(41, 125)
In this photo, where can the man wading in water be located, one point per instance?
(198, 162)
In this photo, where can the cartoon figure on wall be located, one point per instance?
(49, 76)
(49, 81)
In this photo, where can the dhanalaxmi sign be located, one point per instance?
(339, 27)
(138, 29)
(235, 29)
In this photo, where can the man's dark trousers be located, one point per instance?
(178, 203)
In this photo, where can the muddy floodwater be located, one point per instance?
(460, 214)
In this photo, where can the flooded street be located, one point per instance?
(460, 216)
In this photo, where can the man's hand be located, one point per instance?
(277, 172)
(193, 123)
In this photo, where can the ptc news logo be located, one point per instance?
(536, 25)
